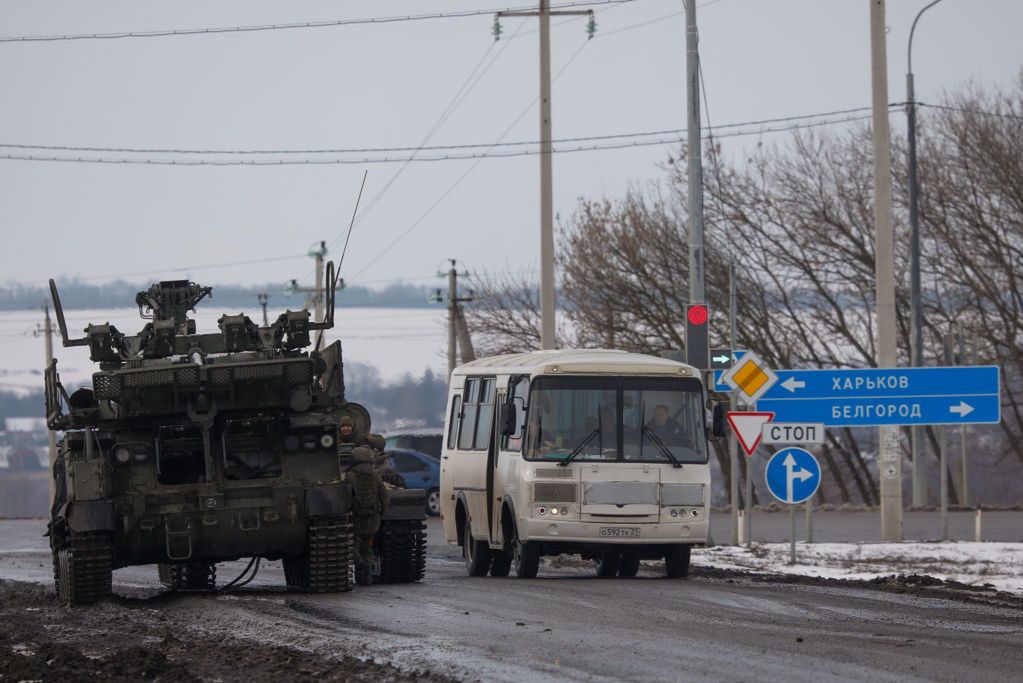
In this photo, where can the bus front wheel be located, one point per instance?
(526, 560)
(676, 561)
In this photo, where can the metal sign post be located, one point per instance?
(793, 476)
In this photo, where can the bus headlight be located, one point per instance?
(554, 511)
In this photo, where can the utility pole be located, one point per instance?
(916, 339)
(733, 445)
(696, 279)
(316, 298)
(547, 306)
(263, 299)
(964, 359)
(458, 332)
(890, 462)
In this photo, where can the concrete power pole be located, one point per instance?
(458, 331)
(547, 305)
(696, 277)
(890, 462)
(263, 299)
(50, 434)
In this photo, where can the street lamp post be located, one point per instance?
(916, 341)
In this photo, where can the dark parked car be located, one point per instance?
(425, 440)
(420, 471)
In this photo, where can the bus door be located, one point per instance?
(507, 448)
(470, 460)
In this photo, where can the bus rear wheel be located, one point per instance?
(628, 565)
(476, 553)
(607, 565)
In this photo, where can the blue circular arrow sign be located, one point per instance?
(793, 475)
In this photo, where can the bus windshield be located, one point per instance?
(637, 419)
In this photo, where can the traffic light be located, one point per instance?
(697, 339)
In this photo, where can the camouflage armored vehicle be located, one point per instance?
(191, 449)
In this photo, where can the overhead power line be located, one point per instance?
(429, 148)
(504, 150)
(964, 110)
(294, 25)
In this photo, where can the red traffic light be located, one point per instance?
(697, 314)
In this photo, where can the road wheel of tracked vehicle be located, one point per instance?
(194, 576)
(401, 549)
(328, 563)
(607, 565)
(628, 565)
(475, 553)
(676, 561)
(83, 568)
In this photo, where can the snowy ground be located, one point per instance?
(395, 340)
(998, 564)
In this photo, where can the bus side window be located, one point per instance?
(486, 413)
(518, 390)
(470, 405)
(453, 420)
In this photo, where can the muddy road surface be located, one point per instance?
(565, 625)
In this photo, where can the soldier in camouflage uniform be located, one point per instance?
(371, 496)
(350, 439)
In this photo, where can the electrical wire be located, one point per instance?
(296, 25)
(963, 110)
(434, 148)
(412, 226)
(617, 142)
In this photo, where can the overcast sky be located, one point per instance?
(386, 85)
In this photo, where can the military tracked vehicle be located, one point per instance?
(192, 449)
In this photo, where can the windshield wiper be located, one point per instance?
(656, 440)
(589, 437)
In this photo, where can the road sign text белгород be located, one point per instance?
(886, 396)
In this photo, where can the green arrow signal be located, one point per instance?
(720, 359)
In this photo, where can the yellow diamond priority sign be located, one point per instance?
(750, 378)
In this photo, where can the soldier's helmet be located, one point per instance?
(363, 455)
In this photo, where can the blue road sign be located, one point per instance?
(793, 475)
(886, 396)
(718, 374)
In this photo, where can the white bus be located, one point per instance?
(592, 452)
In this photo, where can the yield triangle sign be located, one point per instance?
(747, 426)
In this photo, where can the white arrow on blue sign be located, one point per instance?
(793, 475)
(886, 396)
(718, 374)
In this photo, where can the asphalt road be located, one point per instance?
(570, 625)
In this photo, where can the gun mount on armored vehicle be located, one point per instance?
(191, 449)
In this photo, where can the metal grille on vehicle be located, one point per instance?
(106, 386)
(246, 372)
(554, 473)
(681, 494)
(551, 492)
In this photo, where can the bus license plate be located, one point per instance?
(620, 532)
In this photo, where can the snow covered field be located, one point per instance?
(975, 564)
(395, 340)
